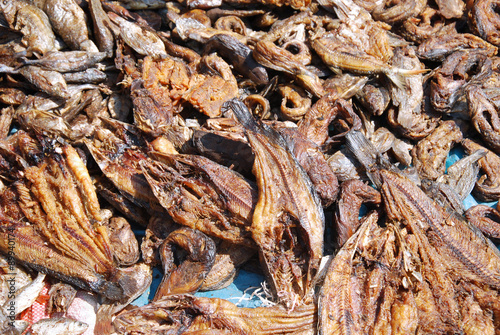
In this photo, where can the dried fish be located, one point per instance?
(205, 314)
(456, 74)
(32, 22)
(279, 59)
(69, 21)
(429, 155)
(486, 219)
(288, 221)
(67, 61)
(487, 186)
(353, 194)
(229, 258)
(439, 47)
(218, 201)
(189, 274)
(483, 20)
(102, 28)
(484, 117)
(58, 326)
(61, 296)
(239, 55)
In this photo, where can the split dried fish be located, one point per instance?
(288, 221)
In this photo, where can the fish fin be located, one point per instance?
(397, 79)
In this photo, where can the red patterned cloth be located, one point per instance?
(83, 308)
(38, 310)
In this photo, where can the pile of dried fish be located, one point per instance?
(288, 134)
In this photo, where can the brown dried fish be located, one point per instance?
(288, 221)
(229, 258)
(69, 21)
(239, 55)
(123, 242)
(197, 315)
(486, 219)
(427, 24)
(485, 117)
(392, 13)
(190, 271)
(438, 47)
(333, 55)
(429, 155)
(353, 194)
(32, 22)
(270, 55)
(61, 296)
(483, 20)
(487, 186)
(67, 61)
(450, 82)
(201, 194)
(468, 254)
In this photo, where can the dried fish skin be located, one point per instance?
(486, 219)
(439, 47)
(429, 155)
(69, 21)
(212, 314)
(353, 194)
(485, 117)
(188, 276)
(270, 55)
(483, 20)
(32, 22)
(216, 201)
(470, 255)
(288, 220)
(487, 186)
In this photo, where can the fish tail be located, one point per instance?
(398, 75)
(406, 73)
